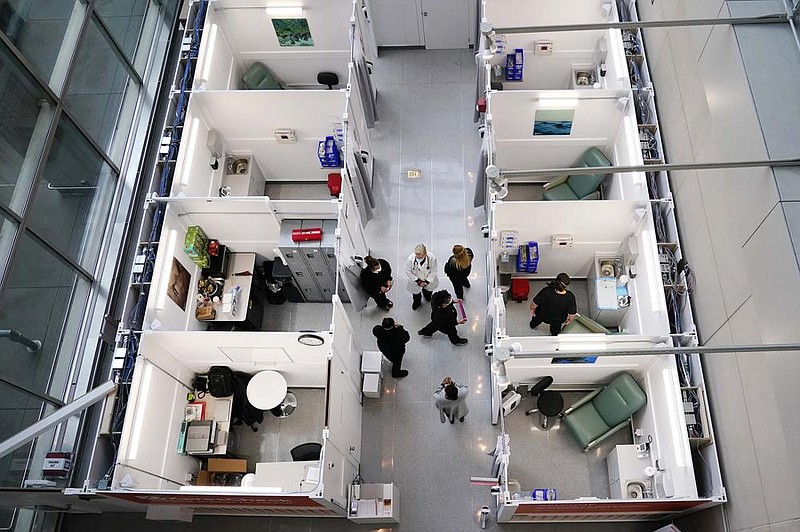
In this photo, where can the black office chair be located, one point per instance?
(328, 78)
(306, 452)
(548, 404)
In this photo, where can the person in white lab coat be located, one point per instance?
(421, 269)
(451, 400)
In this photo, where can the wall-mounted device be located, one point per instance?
(285, 136)
(214, 145)
(563, 241)
(543, 47)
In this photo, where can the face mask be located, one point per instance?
(377, 271)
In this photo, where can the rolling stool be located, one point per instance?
(548, 404)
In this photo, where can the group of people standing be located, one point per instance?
(421, 269)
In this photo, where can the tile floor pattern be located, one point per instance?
(518, 314)
(276, 437)
(425, 105)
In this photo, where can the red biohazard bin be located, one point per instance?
(520, 288)
(306, 234)
(335, 184)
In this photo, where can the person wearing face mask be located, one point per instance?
(421, 269)
(392, 339)
(554, 305)
(444, 318)
(376, 280)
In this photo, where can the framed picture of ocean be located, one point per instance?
(553, 121)
(292, 31)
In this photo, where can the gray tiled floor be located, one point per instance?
(553, 459)
(297, 317)
(518, 315)
(276, 437)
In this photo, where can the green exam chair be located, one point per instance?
(604, 411)
(579, 187)
(258, 77)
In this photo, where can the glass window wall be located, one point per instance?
(97, 86)
(44, 32)
(25, 117)
(74, 196)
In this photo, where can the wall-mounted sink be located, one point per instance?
(638, 489)
(237, 165)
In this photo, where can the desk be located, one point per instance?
(239, 262)
(219, 409)
(288, 476)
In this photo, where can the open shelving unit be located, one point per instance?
(677, 278)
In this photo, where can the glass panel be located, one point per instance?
(42, 297)
(95, 91)
(25, 118)
(43, 30)
(123, 18)
(74, 197)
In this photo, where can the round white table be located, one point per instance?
(266, 389)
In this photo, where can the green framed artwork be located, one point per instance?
(292, 31)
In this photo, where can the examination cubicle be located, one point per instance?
(570, 104)
(158, 464)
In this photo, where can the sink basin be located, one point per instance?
(585, 78)
(637, 489)
(237, 165)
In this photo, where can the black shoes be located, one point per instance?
(427, 294)
(461, 341)
(388, 306)
(403, 373)
(466, 283)
(417, 302)
(421, 333)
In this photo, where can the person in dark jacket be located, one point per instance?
(376, 280)
(392, 340)
(444, 318)
(458, 267)
(554, 305)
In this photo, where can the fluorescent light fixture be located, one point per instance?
(676, 426)
(163, 283)
(558, 103)
(295, 11)
(191, 147)
(139, 419)
(205, 72)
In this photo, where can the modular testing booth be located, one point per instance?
(240, 389)
(585, 436)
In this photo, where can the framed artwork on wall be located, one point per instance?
(292, 31)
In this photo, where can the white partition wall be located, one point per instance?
(596, 122)
(343, 441)
(515, 13)
(247, 121)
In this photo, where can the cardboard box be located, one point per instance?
(227, 465)
(203, 478)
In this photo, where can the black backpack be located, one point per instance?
(243, 411)
(220, 381)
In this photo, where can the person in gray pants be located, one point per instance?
(451, 400)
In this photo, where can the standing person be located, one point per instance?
(392, 340)
(554, 305)
(376, 280)
(458, 267)
(444, 318)
(421, 268)
(451, 400)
